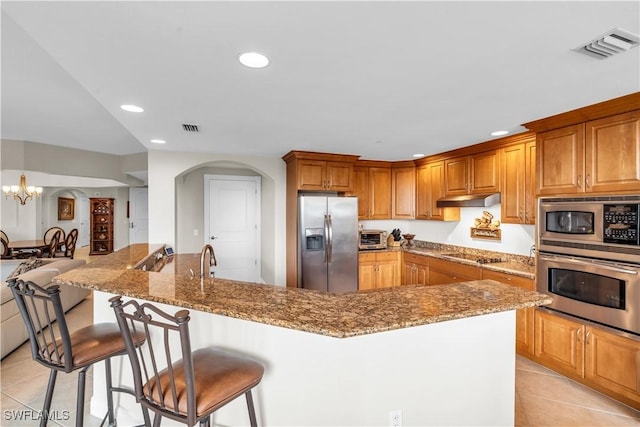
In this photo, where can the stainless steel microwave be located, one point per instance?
(373, 239)
(605, 227)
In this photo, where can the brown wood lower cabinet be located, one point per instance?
(524, 316)
(415, 269)
(442, 272)
(600, 359)
(378, 270)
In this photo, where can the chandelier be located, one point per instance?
(21, 192)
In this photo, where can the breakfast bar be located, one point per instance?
(441, 355)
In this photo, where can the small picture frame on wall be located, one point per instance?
(66, 208)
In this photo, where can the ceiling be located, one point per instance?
(384, 80)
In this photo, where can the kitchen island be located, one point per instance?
(443, 355)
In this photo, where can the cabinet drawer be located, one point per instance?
(509, 279)
(387, 256)
(416, 259)
(367, 256)
(457, 269)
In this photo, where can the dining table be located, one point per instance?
(21, 246)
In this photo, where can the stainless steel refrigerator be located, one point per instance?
(328, 243)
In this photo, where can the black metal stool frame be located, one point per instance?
(45, 346)
(147, 367)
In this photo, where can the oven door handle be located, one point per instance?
(604, 266)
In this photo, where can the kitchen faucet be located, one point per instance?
(204, 267)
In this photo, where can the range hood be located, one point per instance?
(469, 200)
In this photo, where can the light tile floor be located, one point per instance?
(543, 397)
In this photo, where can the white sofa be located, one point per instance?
(12, 330)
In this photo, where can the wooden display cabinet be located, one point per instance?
(101, 226)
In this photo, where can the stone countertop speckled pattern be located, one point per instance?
(512, 264)
(335, 315)
(516, 268)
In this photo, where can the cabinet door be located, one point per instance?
(530, 205)
(422, 274)
(612, 154)
(339, 176)
(403, 192)
(387, 274)
(409, 276)
(361, 190)
(560, 161)
(484, 170)
(380, 193)
(456, 173)
(613, 362)
(312, 174)
(366, 271)
(416, 269)
(423, 195)
(559, 343)
(512, 202)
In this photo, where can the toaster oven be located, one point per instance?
(373, 239)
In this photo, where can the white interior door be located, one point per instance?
(138, 215)
(232, 225)
(83, 231)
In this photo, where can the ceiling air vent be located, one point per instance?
(190, 128)
(609, 44)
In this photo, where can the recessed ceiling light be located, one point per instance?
(158, 141)
(253, 60)
(499, 133)
(132, 108)
(418, 155)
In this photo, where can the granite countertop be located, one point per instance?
(512, 264)
(335, 315)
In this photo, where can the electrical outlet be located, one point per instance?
(395, 418)
(195, 232)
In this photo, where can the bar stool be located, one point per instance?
(53, 346)
(189, 389)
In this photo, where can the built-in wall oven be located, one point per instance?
(589, 258)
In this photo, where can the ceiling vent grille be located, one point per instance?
(610, 43)
(190, 128)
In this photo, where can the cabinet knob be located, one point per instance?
(587, 183)
(579, 183)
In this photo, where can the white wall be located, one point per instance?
(165, 167)
(516, 239)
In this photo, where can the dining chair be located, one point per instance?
(189, 386)
(52, 246)
(69, 248)
(48, 235)
(54, 346)
(4, 236)
(5, 251)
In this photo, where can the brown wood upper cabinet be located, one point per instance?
(403, 194)
(320, 171)
(321, 175)
(372, 186)
(473, 174)
(518, 198)
(429, 188)
(598, 156)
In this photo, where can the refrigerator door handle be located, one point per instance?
(329, 237)
(326, 238)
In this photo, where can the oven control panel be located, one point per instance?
(621, 224)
